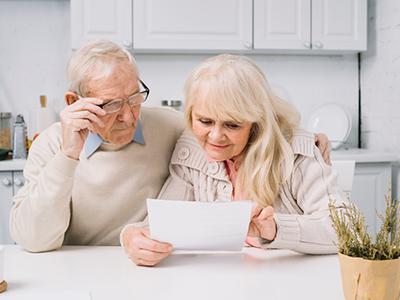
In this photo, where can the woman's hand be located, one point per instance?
(262, 223)
(143, 250)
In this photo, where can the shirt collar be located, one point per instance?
(94, 141)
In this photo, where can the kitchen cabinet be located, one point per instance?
(310, 25)
(6, 193)
(11, 180)
(248, 26)
(192, 24)
(101, 19)
(372, 181)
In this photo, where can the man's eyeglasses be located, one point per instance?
(138, 98)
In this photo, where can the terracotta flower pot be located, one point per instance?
(364, 279)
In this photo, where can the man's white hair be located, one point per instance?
(93, 61)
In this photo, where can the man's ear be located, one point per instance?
(70, 97)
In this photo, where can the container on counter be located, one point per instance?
(175, 104)
(19, 145)
(5, 130)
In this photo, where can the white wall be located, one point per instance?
(380, 78)
(35, 45)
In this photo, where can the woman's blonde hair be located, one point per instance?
(94, 61)
(234, 88)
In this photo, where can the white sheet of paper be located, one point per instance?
(189, 225)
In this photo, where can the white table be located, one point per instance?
(106, 273)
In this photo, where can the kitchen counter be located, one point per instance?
(106, 273)
(359, 155)
(12, 164)
(365, 155)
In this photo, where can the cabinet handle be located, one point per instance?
(248, 45)
(6, 182)
(307, 45)
(127, 44)
(18, 182)
(318, 45)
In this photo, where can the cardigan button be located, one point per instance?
(213, 167)
(183, 153)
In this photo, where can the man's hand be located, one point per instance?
(76, 121)
(141, 249)
(324, 146)
(262, 223)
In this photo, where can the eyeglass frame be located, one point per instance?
(146, 91)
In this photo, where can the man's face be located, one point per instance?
(121, 125)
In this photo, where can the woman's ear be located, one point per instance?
(70, 97)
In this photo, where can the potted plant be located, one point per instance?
(370, 268)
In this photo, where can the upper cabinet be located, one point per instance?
(282, 24)
(101, 19)
(317, 25)
(192, 24)
(250, 26)
(339, 25)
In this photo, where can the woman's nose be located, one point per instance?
(216, 133)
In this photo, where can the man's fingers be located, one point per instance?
(150, 256)
(143, 250)
(142, 262)
(144, 242)
(90, 104)
(85, 114)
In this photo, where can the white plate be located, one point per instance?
(332, 120)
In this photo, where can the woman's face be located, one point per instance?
(221, 139)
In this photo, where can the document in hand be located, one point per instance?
(190, 225)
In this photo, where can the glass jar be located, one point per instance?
(5, 130)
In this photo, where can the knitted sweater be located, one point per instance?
(87, 202)
(301, 209)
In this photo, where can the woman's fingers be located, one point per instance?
(266, 213)
(256, 210)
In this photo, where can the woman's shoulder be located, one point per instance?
(303, 142)
(188, 152)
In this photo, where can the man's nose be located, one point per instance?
(125, 114)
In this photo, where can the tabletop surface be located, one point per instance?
(106, 273)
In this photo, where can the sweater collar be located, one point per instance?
(94, 141)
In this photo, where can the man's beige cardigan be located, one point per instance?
(88, 201)
(301, 208)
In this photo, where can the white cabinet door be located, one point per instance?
(6, 193)
(371, 184)
(192, 24)
(101, 19)
(282, 24)
(339, 24)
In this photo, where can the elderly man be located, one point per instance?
(90, 174)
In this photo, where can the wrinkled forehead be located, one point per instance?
(122, 77)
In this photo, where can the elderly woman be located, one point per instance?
(245, 143)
